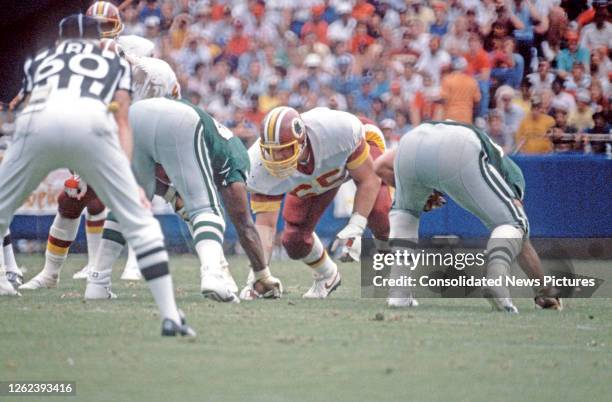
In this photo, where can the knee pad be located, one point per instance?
(404, 225)
(68, 207)
(296, 242)
(95, 206)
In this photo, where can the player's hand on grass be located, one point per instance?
(348, 240)
(262, 285)
(435, 200)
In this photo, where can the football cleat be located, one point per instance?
(323, 286)
(402, 302)
(41, 281)
(6, 288)
(15, 277)
(214, 286)
(95, 291)
(500, 303)
(227, 276)
(171, 328)
(83, 273)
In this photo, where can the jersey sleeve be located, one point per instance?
(235, 167)
(125, 78)
(265, 203)
(359, 155)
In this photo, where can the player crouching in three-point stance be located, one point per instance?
(464, 163)
(68, 123)
(305, 158)
(202, 159)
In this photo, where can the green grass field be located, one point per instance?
(290, 349)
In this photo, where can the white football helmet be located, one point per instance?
(136, 45)
(153, 78)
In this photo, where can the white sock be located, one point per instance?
(209, 253)
(93, 231)
(403, 236)
(208, 239)
(108, 252)
(61, 235)
(319, 260)
(163, 293)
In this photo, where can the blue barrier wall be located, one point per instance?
(566, 196)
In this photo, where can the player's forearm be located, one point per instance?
(236, 203)
(251, 243)
(365, 197)
(265, 223)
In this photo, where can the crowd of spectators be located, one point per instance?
(531, 72)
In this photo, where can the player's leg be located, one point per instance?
(112, 242)
(378, 220)
(94, 223)
(62, 233)
(472, 182)
(410, 197)
(24, 166)
(299, 239)
(186, 151)
(109, 250)
(13, 272)
(131, 271)
(108, 170)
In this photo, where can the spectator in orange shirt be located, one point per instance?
(479, 67)
(239, 42)
(361, 40)
(363, 10)
(459, 93)
(316, 25)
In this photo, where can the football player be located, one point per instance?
(205, 163)
(77, 195)
(304, 158)
(77, 118)
(13, 272)
(463, 162)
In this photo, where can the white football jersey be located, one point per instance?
(333, 136)
(152, 78)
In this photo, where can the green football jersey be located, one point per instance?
(229, 158)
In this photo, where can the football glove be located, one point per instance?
(262, 285)
(348, 240)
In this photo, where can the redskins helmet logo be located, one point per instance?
(297, 128)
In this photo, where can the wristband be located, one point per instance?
(358, 220)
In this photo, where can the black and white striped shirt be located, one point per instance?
(78, 68)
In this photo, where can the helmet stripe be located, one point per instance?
(281, 115)
(271, 124)
(100, 8)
